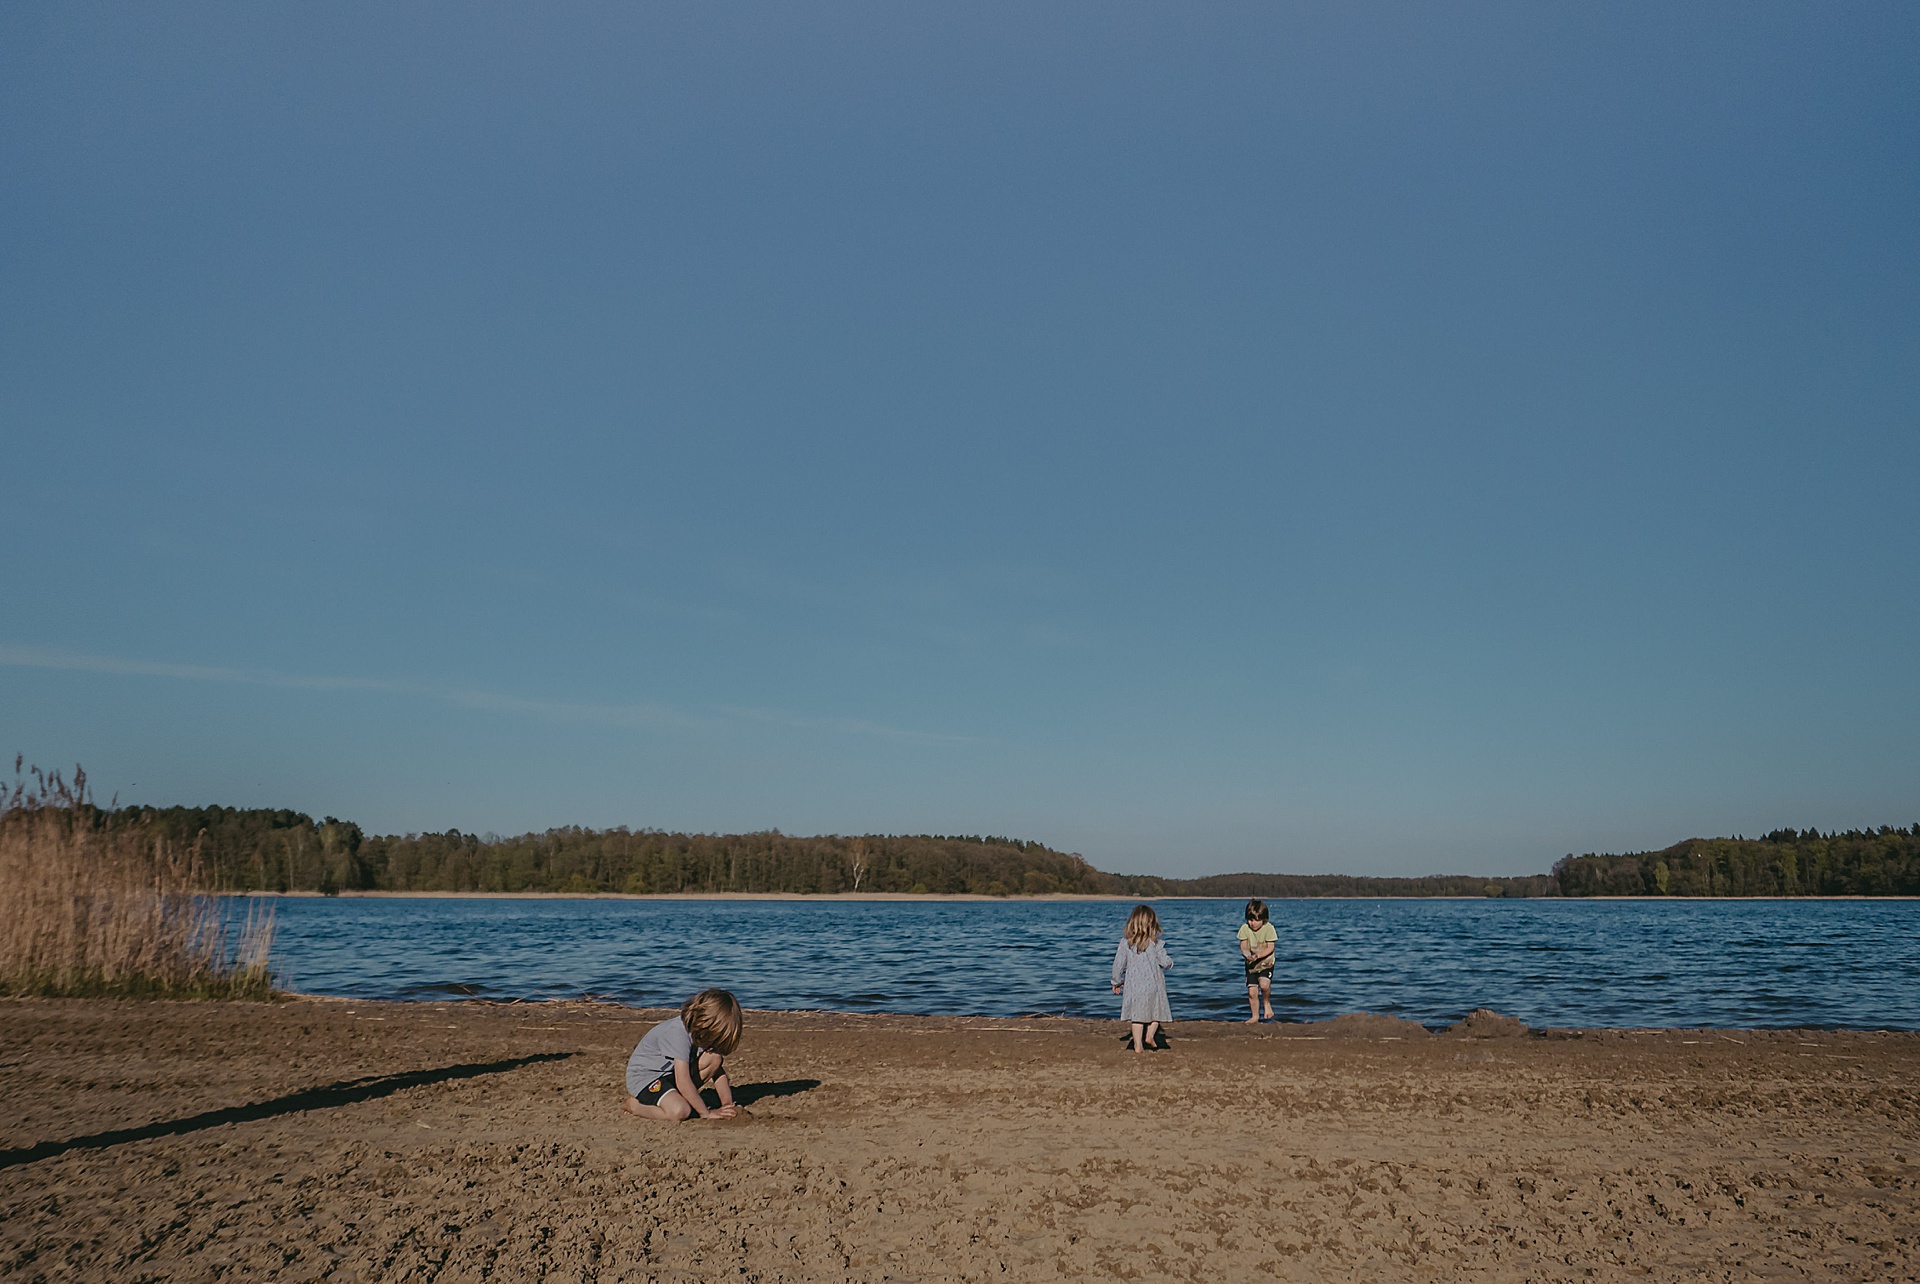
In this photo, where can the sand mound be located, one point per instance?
(1373, 1025)
(1485, 1023)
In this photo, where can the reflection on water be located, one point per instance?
(1565, 963)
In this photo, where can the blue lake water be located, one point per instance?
(1551, 963)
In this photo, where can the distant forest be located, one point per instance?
(1787, 862)
(265, 850)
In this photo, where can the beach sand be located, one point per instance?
(319, 1139)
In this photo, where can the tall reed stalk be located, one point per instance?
(91, 904)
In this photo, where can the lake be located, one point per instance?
(1550, 962)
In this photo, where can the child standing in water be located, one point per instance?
(1140, 976)
(1258, 941)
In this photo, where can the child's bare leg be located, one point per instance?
(713, 1070)
(710, 1068)
(1266, 994)
(1139, 1038)
(672, 1108)
(1253, 1004)
(1153, 1032)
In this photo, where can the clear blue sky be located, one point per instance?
(1381, 438)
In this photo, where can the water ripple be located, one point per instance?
(1566, 963)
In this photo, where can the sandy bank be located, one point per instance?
(332, 1139)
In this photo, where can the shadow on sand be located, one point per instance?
(345, 1093)
(748, 1093)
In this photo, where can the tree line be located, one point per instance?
(279, 850)
(261, 850)
(1286, 886)
(1786, 862)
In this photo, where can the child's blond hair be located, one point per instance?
(712, 1017)
(1143, 927)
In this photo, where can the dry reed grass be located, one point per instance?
(93, 905)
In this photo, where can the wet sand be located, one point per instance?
(317, 1139)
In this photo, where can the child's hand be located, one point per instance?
(724, 1112)
(1116, 989)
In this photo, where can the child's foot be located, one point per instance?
(1251, 1021)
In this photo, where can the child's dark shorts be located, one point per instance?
(655, 1089)
(661, 1086)
(1258, 972)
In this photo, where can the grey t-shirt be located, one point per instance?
(659, 1048)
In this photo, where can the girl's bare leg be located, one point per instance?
(672, 1108)
(1153, 1032)
(1139, 1039)
(1253, 1005)
(1266, 993)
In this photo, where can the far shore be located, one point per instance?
(726, 896)
(977, 896)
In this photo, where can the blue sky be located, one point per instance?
(1381, 438)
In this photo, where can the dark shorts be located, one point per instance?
(1258, 972)
(660, 1087)
(655, 1089)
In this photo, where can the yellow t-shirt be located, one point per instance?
(1261, 940)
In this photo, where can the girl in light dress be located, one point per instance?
(1140, 976)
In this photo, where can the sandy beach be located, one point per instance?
(325, 1139)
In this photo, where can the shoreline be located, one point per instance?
(1482, 1025)
(1358, 1024)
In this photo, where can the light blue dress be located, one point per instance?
(1142, 978)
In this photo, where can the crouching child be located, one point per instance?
(676, 1057)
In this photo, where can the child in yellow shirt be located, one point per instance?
(1258, 941)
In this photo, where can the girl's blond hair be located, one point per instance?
(712, 1017)
(1143, 927)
